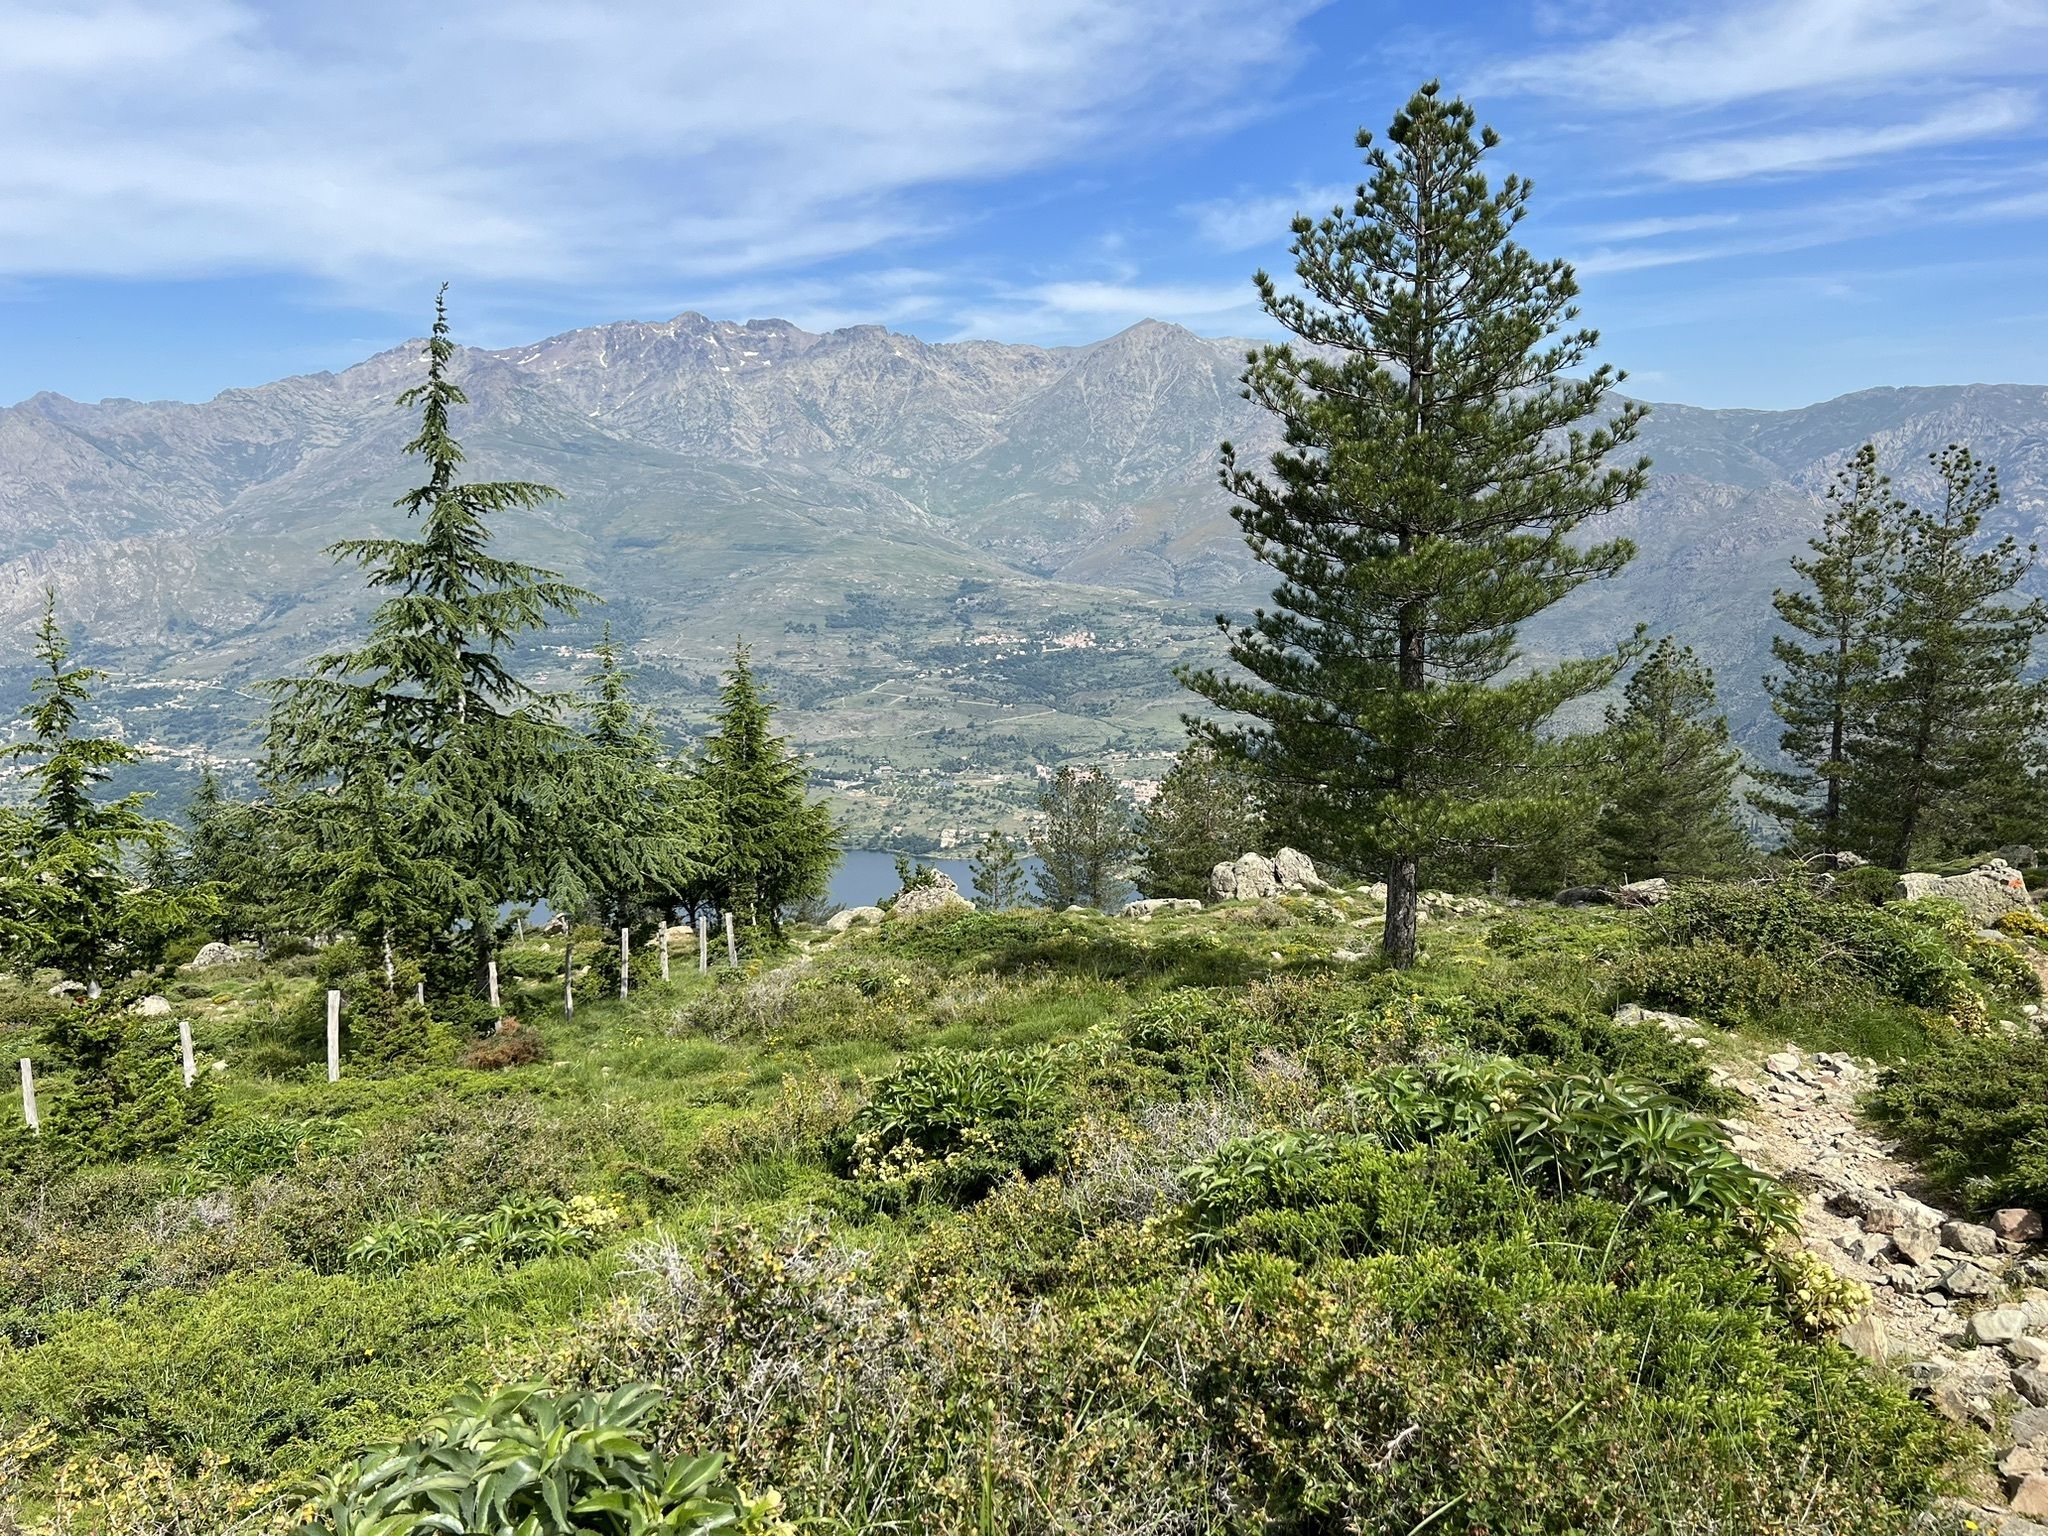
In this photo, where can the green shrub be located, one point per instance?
(244, 1147)
(1972, 1113)
(1866, 885)
(1712, 980)
(525, 1458)
(954, 1124)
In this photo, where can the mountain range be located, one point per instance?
(958, 564)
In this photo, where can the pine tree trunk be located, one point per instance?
(1397, 941)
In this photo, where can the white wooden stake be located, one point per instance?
(185, 1050)
(664, 951)
(419, 991)
(333, 1035)
(568, 982)
(732, 945)
(625, 960)
(703, 944)
(491, 972)
(28, 1097)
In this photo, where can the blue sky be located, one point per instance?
(1770, 202)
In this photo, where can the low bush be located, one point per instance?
(1972, 1112)
(954, 1124)
(511, 1044)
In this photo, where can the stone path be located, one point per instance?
(1960, 1309)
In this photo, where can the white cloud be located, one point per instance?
(1988, 115)
(1239, 223)
(567, 141)
(1718, 53)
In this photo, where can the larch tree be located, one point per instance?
(1085, 842)
(1956, 720)
(426, 776)
(1436, 463)
(776, 847)
(1829, 666)
(1669, 807)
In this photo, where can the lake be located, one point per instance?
(866, 875)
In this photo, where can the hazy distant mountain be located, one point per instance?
(955, 561)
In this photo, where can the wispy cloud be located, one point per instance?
(568, 141)
(1989, 115)
(1239, 223)
(1714, 53)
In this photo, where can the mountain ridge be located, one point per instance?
(958, 561)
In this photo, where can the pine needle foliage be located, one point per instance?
(1207, 811)
(1085, 842)
(1435, 467)
(776, 848)
(68, 896)
(1825, 687)
(1670, 805)
(1947, 748)
(427, 775)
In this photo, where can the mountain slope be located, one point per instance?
(956, 561)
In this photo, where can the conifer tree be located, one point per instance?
(776, 847)
(426, 776)
(638, 826)
(1436, 464)
(1829, 667)
(1670, 802)
(1955, 722)
(1207, 810)
(1085, 841)
(68, 899)
(231, 850)
(998, 872)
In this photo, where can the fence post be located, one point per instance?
(28, 1097)
(732, 945)
(185, 1050)
(491, 972)
(419, 992)
(703, 943)
(333, 1035)
(625, 962)
(664, 951)
(568, 979)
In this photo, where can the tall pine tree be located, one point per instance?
(1670, 802)
(1826, 687)
(1206, 811)
(1947, 754)
(427, 777)
(69, 899)
(998, 872)
(1435, 467)
(776, 847)
(641, 826)
(1085, 841)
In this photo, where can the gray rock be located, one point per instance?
(1865, 1337)
(1967, 1237)
(1782, 1064)
(1643, 893)
(2031, 1382)
(1670, 1023)
(1296, 871)
(1967, 1281)
(215, 953)
(939, 895)
(2027, 1350)
(853, 917)
(1915, 1242)
(2030, 1426)
(67, 989)
(1584, 896)
(153, 1006)
(2018, 855)
(1151, 906)
(1250, 877)
(1986, 893)
(1996, 1325)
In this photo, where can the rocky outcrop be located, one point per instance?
(1152, 906)
(938, 894)
(1987, 892)
(1252, 876)
(214, 954)
(153, 1006)
(1637, 893)
(851, 917)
